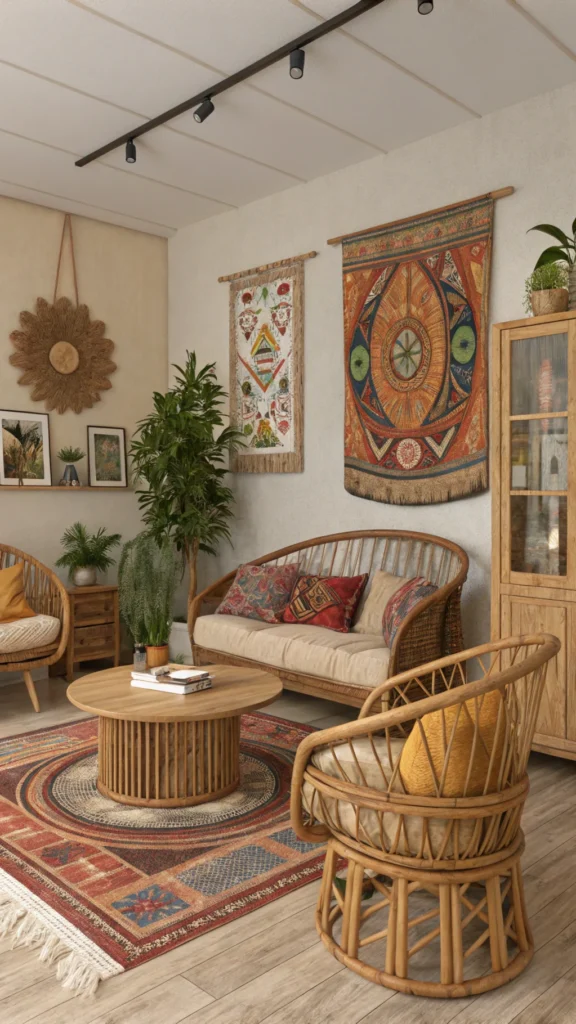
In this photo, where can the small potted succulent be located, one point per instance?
(69, 456)
(546, 290)
(86, 554)
(148, 575)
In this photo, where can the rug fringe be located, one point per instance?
(26, 930)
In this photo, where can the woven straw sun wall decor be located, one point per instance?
(63, 353)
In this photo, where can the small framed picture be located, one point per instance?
(25, 449)
(107, 457)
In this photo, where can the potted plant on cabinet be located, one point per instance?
(546, 290)
(70, 456)
(148, 574)
(180, 451)
(86, 554)
(564, 252)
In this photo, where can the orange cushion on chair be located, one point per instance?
(13, 603)
(469, 762)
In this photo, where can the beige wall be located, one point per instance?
(122, 278)
(527, 146)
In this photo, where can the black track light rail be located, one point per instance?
(320, 30)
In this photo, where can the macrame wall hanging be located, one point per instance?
(63, 353)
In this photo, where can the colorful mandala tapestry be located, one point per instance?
(106, 886)
(415, 314)
(266, 340)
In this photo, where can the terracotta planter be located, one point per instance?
(550, 300)
(157, 656)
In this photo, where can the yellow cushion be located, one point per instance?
(13, 603)
(461, 778)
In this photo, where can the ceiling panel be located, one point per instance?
(177, 160)
(71, 46)
(558, 16)
(484, 53)
(39, 167)
(227, 34)
(357, 90)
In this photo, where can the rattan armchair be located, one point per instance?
(444, 870)
(46, 595)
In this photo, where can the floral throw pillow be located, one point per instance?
(328, 601)
(260, 592)
(401, 603)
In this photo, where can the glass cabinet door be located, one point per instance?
(537, 426)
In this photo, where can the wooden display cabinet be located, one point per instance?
(533, 479)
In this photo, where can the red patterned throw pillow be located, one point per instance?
(401, 603)
(328, 601)
(260, 592)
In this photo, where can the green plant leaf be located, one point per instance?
(550, 229)
(553, 255)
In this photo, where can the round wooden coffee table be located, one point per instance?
(166, 750)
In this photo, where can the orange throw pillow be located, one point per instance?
(13, 603)
(414, 763)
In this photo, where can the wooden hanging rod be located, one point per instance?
(268, 266)
(498, 193)
(323, 28)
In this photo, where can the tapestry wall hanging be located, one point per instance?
(266, 353)
(415, 314)
(63, 353)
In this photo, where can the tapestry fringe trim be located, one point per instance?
(29, 922)
(462, 483)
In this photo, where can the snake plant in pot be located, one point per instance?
(148, 574)
(563, 252)
(180, 452)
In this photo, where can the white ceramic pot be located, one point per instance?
(85, 577)
(180, 641)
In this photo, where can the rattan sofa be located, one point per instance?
(356, 663)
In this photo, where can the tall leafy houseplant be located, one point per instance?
(181, 451)
(564, 252)
(148, 575)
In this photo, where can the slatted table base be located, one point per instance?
(168, 764)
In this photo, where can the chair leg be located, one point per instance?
(31, 690)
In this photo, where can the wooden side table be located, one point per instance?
(94, 626)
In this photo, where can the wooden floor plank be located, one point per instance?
(556, 1006)
(248, 960)
(259, 999)
(167, 1004)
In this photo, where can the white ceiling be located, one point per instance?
(76, 73)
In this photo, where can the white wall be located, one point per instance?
(531, 146)
(122, 276)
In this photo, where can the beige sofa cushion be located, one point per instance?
(26, 634)
(362, 767)
(383, 586)
(313, 650)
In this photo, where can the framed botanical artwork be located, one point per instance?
(25, 449)
(107, 457)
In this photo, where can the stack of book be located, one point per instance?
(172, 680)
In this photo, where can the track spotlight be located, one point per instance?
(297, 58)
(204, 110)
(425, 6)
(130, 152)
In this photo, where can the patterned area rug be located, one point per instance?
(100, 887)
